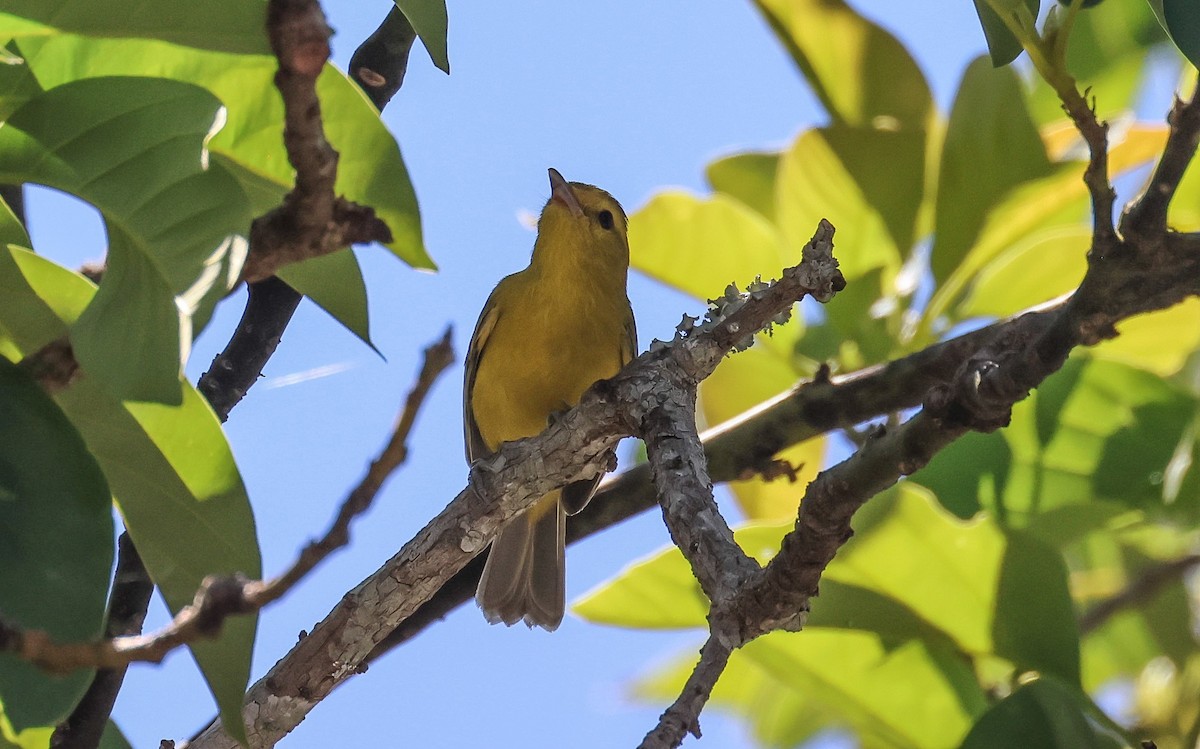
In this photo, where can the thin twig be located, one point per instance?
(220, 597)
(1149, 213)
(1144, 587)
(683, 716)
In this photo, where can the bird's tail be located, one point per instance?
(525, 574)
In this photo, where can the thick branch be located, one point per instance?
(573, 448)
(747, 442)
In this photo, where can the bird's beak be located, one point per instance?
(561, 191)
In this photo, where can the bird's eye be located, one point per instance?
(605, 218)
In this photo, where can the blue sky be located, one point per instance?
(628, 95)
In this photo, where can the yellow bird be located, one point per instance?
(545, 335)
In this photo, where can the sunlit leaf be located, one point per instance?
(227, 25)
(370, 169)
(861, 73)
(991, 147)
(134, 148)
(1106, 56)
(779, 715)
(867, 182)
(748, 177)
(856, 677)
(56, 544)
(1158, 342)
(428, 19)
(701, 245)
(169, 468)
(1094, 430)
(1043, 266)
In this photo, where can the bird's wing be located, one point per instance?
(629, 344)
(476, 448)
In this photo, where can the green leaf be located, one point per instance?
(914, 694)
(428, 19)
(1106, 54)
(658, 592)
(991, 147)
(1159, 625)
(56, 544)
(863, 76)
(112, 738)
(910, 550)
(1007, 285)
(169, 468)
(911, 571)
(1182, 22)
(36, 296)
(134, 148)
(226, 25)
(779, 715)
(1044, 714)
(12, 231)
(748, 177)
(1094, 430)
(370, 169)
(336, 284)
(17, 84)
(869, 182)
(1045, 205)
(1159, 342)
(184, 504)
(701, 245)
(1003, 46)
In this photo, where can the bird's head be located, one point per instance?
(584, 219)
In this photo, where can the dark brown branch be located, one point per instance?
(312, 221)
(221, 597)
(132, 588)
(682, 717)
(1149, 214)
(269, 308)
(1144, 587)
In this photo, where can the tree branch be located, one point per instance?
(127, 613)
(1149, 213)
(1144, 587)
(221, 597)
(575, 447)
(682, 717)
(747, 442)
(312, 221)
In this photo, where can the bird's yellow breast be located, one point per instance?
(548, 346)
